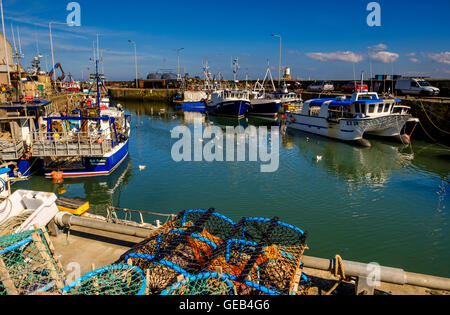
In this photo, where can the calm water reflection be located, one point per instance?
(387, 204)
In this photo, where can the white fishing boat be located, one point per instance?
(350, 119)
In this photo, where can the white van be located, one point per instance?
(416, 87)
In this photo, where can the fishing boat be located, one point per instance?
(18, 122)
(92, 141)
(350, 119)
(229, 102)
(194, 101)
(261, 103)
(291, 102)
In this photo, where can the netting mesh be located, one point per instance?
(27, 265)
(203, 284)
(259, 256)
(112, 280)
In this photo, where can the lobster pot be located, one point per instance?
(111, 280)
(210, 283)
(28, 266)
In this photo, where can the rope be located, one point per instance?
(426, 114)
(338, 272)
(10, 225)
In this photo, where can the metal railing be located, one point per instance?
(11, 149)
(54, 144)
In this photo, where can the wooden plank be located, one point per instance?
(7, 281)
(52, 249)
(43, 252)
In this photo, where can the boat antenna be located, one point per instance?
(362, 82)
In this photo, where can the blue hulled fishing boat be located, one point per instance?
(92, 141)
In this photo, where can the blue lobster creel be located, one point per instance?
(111, 280)
(213, 283)
(254, 229)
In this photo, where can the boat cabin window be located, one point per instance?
(5, 131)
(371, 109)
(387, 108)
(357, 108)
(314, 111)
(380, 108)
(363, 109)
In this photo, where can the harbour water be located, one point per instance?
(387, 204)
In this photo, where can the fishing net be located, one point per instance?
(28, 265)
(203, 284)
(111, 280)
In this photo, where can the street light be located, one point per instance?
(51, 41)
(178, 56)
(4, 41)
(279, 64)
(135, 60)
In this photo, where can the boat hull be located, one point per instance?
(194, 107)
(264, 108)
(94, 166)
(229, 109)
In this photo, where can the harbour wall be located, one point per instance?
(156, 95)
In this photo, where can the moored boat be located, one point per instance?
(350, 119)
(18, 122)
(229, 103)
(93, 141)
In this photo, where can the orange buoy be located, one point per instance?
(57, 176)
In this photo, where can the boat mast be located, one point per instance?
(236, 67)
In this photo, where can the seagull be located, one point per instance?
(142, 167)
(319, 158)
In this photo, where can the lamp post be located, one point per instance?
(178, 57)
(51, 42)
(279, 64)
(4, 40)
(135, 60)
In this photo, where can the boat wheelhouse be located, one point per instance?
(290, 101)
(18, 122)
(350, 119)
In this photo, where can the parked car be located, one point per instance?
(354, 86)
(416, 87)
(321, 86)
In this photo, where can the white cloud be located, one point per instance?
(378, 47)
(346, 56)
(443, 57)
(414, 60)
(413, 54)
(384, 56)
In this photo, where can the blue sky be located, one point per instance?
(321, 39)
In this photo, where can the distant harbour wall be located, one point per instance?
(150, 95)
